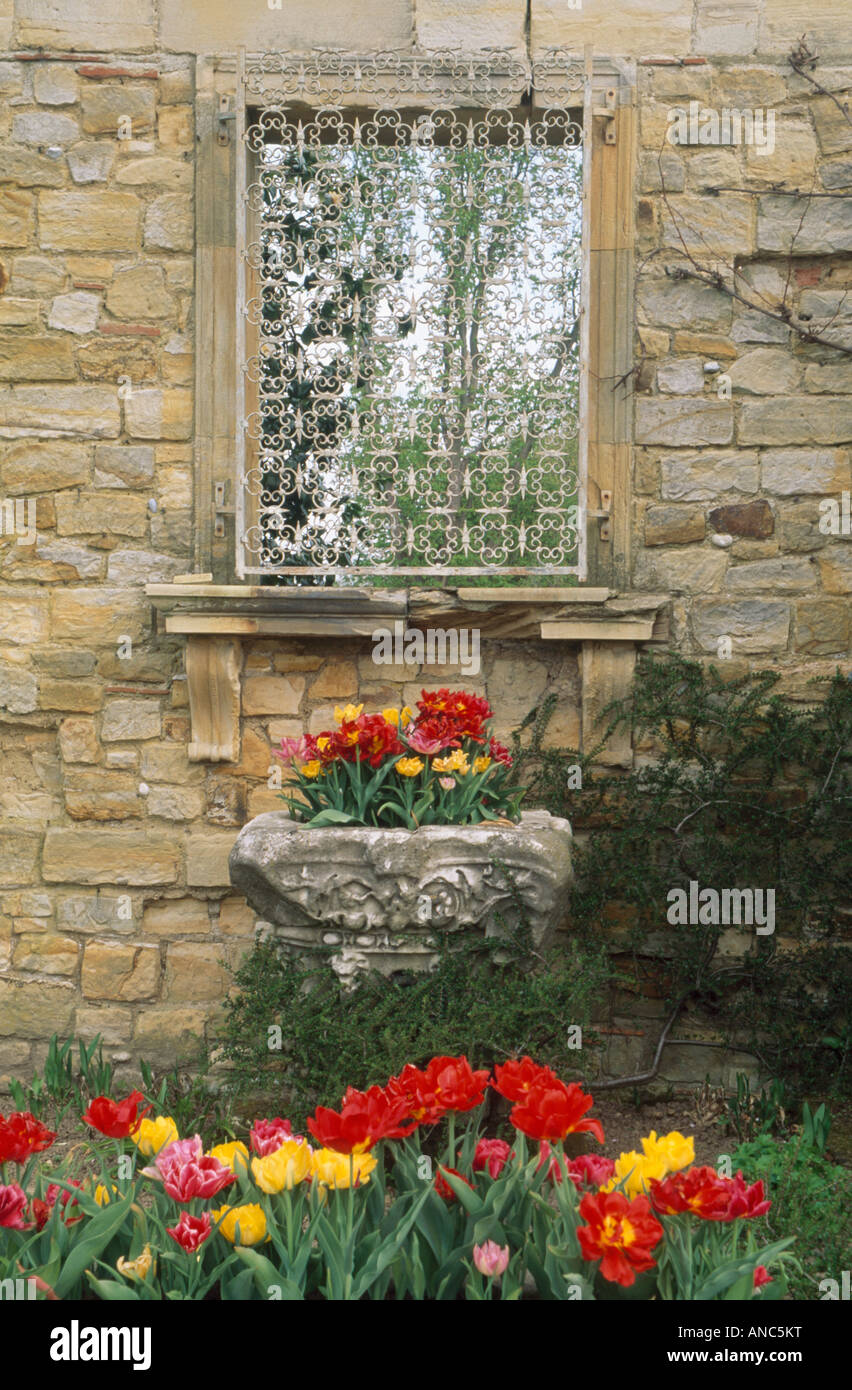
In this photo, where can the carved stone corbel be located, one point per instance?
(213, 667)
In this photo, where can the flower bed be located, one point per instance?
(363, 1212)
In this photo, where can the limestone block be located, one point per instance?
(152, 414)
(754, 625)
(795, 420)
(169, 223)
(55, 84)
(789, 472)
(78, 741)
(788, 574)
(823, 626)
(90, 161)
(125, 719)
(30, 465)
(30, 1009)
(46, 953)
(18, 689)
(41, 128)
(683, 422)
(272, 694)
(204, 26)
(23, 618)
(630, 30)
(674, 525)
(109, 856)
(91, 411)
(123, 465)
(690, 571)
(42, 358)
(176, 917)
(102, 615)
(108, 107)
(120, 970)
(194, 973)
(765, 372)
(81, 513)
(76, 312)
(819, 227)
(89, 221)
(85, 26)
(167, 1036)
(16, 217)
(207, 858)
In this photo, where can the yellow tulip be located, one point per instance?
(633, 1173)
(153, 1135)
(233, 1156)
(103, 1195)
(284, 1168)
(348, 714)
(406, 716)
(331, 1169)
(311, 769)
(457, 761)
(481, 764)
(391, 716)
(323, 742)
(138, 1268)
(409, 767)
(674, 1150)
(250, 1219)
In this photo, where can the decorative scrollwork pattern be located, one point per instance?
(412, 298)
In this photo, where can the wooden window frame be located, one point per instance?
(606, 330)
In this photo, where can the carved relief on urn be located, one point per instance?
(380, 896)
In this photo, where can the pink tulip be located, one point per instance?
(200, 1177)
(13, 1199)
(422, 743)
(269, 1135)
(292, 749)
(491, 1259)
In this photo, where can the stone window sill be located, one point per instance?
(608, 626)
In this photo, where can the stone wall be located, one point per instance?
(115, 913)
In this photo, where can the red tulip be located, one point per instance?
(448, 1083)
(620, 1234)
(442, 1187)
(747, 1201)
(761, 1276)
(191, 1231)
(21, 1135)
(491, 1156)
(116, 1119)
(13, 1199)
(516, 1078)
(364, 1118)
(699, 1190)
(551, 1110)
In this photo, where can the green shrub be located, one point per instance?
(485, 1000)
(810, 1196)
(747, 789)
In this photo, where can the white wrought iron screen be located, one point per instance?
(408, 343)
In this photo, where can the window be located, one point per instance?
(410, 268)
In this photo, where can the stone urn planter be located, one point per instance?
(377, 897)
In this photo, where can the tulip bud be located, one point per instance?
(491, 1259)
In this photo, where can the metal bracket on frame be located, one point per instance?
(224, 114)
(604, 514)
(607, 113)
(221, 507)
